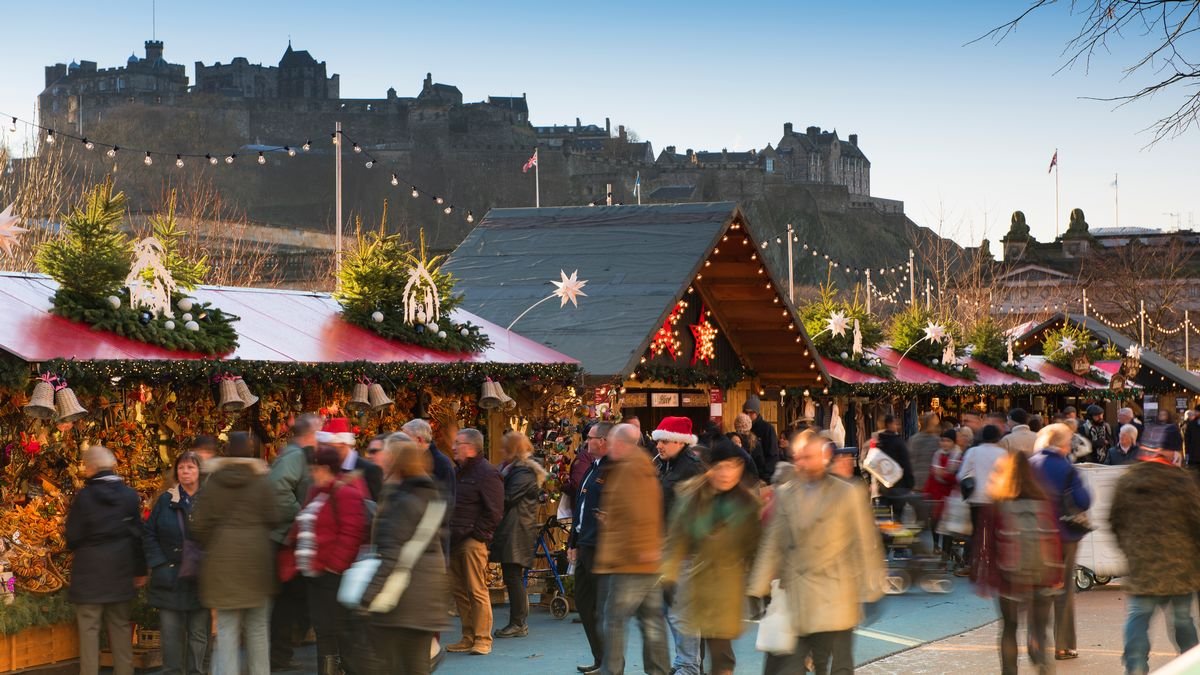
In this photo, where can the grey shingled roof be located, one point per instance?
(637, 261)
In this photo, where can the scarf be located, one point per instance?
(306, 535)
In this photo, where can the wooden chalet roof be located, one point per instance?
(638, 262)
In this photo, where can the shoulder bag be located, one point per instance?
(1072, 517)
(356, 579)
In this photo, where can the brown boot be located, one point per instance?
(462, 646)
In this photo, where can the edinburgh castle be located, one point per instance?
(469, 154)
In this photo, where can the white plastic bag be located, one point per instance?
(882, 467)
(956, 516)
(775, 632)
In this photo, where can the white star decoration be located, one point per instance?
(1067, 345)
(570, 288)
(934, 332)
(1134, 351)
(9, 229)
(838, 324)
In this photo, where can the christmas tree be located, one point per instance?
(93, 257)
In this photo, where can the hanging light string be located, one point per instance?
(780, 238)
(149, 155)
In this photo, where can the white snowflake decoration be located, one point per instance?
(9, 229)
(1067, 344)
(421, 296)
(1134, 351)
(934, 332)
(149, 282)
(837, 324)
(570, 288)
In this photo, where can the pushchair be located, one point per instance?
(550, 551)
(907, 557)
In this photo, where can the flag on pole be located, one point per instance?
(1053, 161)
(531, 164)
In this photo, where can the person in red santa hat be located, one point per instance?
(338, 433)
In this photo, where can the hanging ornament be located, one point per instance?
(149, 281)
(1066, 345)
(377, 316)
(837, 324)
(1134, 351)
(934, 332)
(857, 348)
(433, 327)
(169, 325)
(465, 332)
(186, 317)
(145, 318)
(442, 334)
(421, 292)
(666, 338)
(114, 302)
(570, 288)
(9, 230)
(185, 304)
(192, 326)
(704, 334)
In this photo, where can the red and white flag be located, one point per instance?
(531, 164)
(1053, 162)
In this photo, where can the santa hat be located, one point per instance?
(678, 429)
(336, 430)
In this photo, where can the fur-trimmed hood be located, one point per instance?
(235, 471)
(528, 463)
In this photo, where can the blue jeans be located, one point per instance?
(687, 643)
(184, 640)
(1138, 610)
(627, 595)
(232, 624)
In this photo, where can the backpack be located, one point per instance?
(1028, 549)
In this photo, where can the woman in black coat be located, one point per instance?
(185, 623)
(516, 536)
(404, 618)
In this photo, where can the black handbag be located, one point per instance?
(1072, 517)
(966, 486)
(192, 555)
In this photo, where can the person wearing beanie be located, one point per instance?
(326, 536)
(1156, 518)
(675, 463)
(713, 535)
(765, 431)
(1098, 433)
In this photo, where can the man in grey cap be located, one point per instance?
(765, 431)
(1156, 518)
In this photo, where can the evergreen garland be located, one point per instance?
(373, 278)
(690, 376)
(30, 610)
(840, 348)
(907, 334)
(990, 347)
(92, 259)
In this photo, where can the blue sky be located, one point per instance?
(962, 133)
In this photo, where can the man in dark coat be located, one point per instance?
(337, 432)
(764, 430)
(443, 468)
(1156, 518)
(675, 463)
(291, 481)
(1191, 431)
(581, 544)
(891, 443)
(104, 531)
(478, 508)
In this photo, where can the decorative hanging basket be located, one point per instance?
(67, 406)
(41, 403)
(230, 400)
(360, 399)
(1080, 365)
(377, 397)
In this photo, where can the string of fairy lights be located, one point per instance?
(181, 160)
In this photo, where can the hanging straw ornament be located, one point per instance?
(66, 404)
(41, 403)
(230, 400)
(244, 392)
(489, 397)
(377, 397)
(359, 398)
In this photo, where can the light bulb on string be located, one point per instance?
(50, 137)
(415, 193)
(356, 147)
(88, 145)
(229, 159)
(179, 161)
(211, 160)
(370, 163)
(395, 181)
(307, 145)
(289, 150)
(449, 209)
(147, 160)
(112, 152)
(470, 217)
(439, 200)
(12, 128)
(262, 159)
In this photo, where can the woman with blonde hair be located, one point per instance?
(404, 618)
(512, 545)
(1019, 559)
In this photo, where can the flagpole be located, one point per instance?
(1057, 211)
(537, 181)
(1116, 202)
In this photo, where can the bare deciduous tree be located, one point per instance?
(40, 188)
(1165, 24)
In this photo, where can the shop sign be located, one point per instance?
(660, 399)
(715, 396)
(694, 400)
(635, 400)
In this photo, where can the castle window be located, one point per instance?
(770, 165)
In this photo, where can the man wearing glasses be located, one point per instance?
(581, 545)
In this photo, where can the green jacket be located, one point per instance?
(290, 482)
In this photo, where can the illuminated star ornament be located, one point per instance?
(1067, 344)
(9, 229)
(837, 324)
(934, 332)
(666, 338)
(570, 288)
(1134, 351)
(705, 334)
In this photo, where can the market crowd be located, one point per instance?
(688, 534)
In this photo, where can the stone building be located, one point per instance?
(298, 75)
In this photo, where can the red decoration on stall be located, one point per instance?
(666, 338)
(705, 334)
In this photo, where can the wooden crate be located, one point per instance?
(144, 658)
(39, 647)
